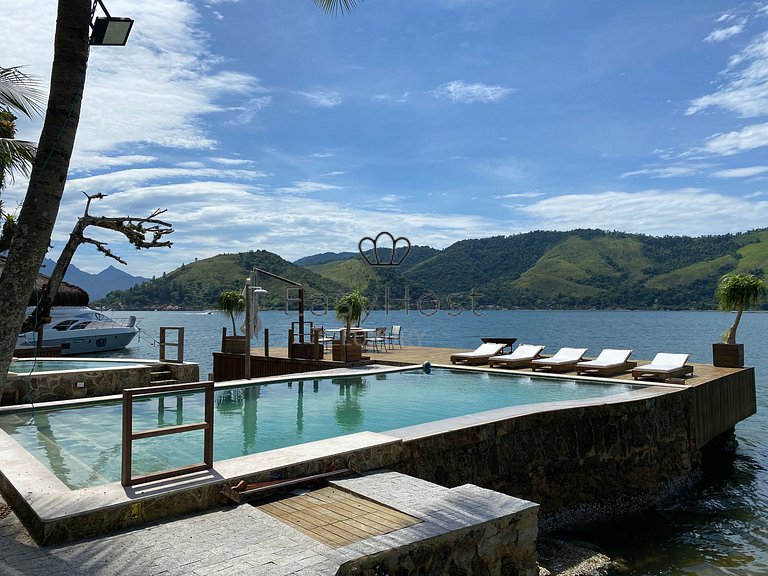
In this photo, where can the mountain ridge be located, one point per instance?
(582, 268)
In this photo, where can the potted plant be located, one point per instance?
(350, 310)
(735, 291)
(232, 304)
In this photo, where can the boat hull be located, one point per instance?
(89, 343)
(81, 331)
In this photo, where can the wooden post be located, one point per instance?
(266, 342)
(247, 351)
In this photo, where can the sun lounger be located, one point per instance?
(563, 361)
(479, 356)
(607, 363)
(663, 366)
(520, 358)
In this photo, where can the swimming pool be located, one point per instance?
(82, 445)
(33, 366)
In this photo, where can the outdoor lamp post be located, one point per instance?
(109, 31)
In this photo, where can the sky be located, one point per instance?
(273, 126)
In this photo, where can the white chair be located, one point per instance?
(564, 360)
(607, 363)
(478, 356)
(520, 358)
(664, 365)
(394, 337)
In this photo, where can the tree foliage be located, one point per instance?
(558, 270)
(738, 291)
(232, 304)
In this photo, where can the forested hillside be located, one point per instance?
(577, 269)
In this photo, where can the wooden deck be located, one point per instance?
(336, 517)
(419, 354)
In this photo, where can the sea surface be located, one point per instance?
(717, 526)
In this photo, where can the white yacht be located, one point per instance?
(81, 330)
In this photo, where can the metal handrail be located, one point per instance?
(126, 476)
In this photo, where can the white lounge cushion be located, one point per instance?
(608, 357)
(487, 349)
(664, 362)
(522, 352)
(563, 356)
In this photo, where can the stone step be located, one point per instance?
(163, 382)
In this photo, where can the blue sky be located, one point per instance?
(271, 125)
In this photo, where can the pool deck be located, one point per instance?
(410, 355)
(227, 540)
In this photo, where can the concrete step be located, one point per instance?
(163, 382)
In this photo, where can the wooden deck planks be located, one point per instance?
(336, 517)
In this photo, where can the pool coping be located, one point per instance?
(53, 512)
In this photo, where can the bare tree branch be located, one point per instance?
(134, 229)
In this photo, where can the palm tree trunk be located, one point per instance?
(49, 172)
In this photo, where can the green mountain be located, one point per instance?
(576, 269)
(197, 285)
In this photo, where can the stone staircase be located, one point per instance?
(161, 375)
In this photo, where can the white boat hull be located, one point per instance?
(79, 330)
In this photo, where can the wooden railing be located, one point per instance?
(179, 344)
(126, 477)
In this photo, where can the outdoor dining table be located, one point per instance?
(353, 333)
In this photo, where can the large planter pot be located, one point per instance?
(354, 352)
(233, 345)
(728, 355)
(306, 350)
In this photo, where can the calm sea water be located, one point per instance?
(719, 526)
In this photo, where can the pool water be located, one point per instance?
(82, 445)
(25, 366)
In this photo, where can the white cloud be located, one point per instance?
(322, 98)
(519, 195)
(746, 91)
(150, 92)
(746, 172)
(724, 33)
(654, 212)
(748, 138)
(232, 161)
(307, 187)
(391, 98)
(664, 172)
(464, 93)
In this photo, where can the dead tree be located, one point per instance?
(136, 230)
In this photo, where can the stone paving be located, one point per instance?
(245, 540)
(229, 541)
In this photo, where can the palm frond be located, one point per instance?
(20, 92)
(15, 156)
(335, 6)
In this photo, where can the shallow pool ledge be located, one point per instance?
(53, 513)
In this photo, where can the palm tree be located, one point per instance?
(232, 304)
(737, 291)
(18, 94)
(49, 169)
(350, 308)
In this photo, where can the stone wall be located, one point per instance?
(463, 530)
(579, 464)
(52, 386)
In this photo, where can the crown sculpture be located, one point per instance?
(369, 249)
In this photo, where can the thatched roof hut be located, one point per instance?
(68, 294)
